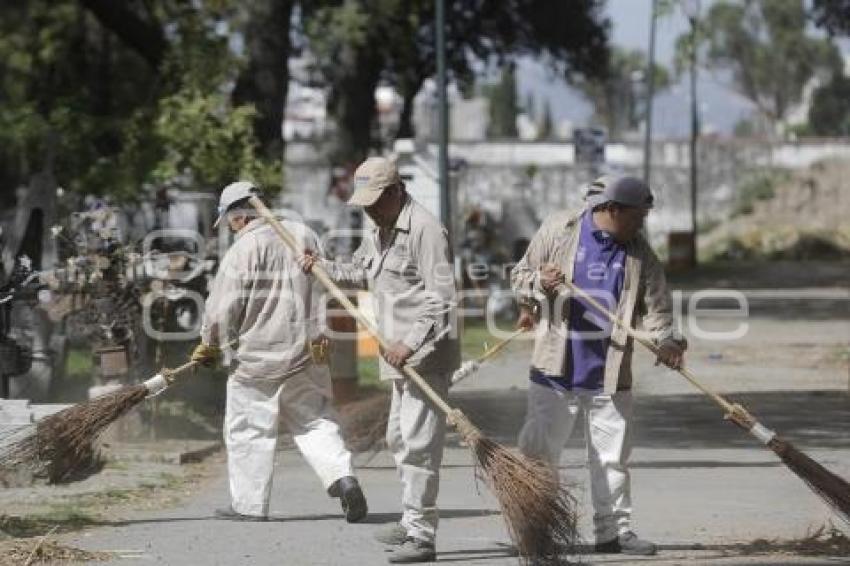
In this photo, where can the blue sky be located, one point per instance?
(721, 107)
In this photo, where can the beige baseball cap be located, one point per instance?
(371, 178)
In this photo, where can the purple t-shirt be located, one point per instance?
(599, 269)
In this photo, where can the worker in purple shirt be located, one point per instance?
(581, 361)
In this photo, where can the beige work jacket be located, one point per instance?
(645, 299)
(262, 297)
(412, 280)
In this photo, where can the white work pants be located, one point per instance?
(416, 433)
(548, 424)
(253, 411)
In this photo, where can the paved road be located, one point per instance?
(701, 487)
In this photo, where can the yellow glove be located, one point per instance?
(206, 355)
(320, 350)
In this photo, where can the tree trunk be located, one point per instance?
(405, 124)
(409, 89)
(144, 37)
(352, 104)
(265, 80)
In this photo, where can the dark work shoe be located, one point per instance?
(228, 514)
(413, 550)
(627, 543)
(391, 535)
(350, 497)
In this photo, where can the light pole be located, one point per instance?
(650, 94)
(443, 117)
(692, 10)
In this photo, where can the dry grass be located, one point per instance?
(823, 541)
(41, 551)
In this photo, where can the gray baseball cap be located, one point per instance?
(628, 191)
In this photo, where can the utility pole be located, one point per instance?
(692, 11)
(650, 95)
(443, 118)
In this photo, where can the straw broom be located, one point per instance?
(831, 488)
(539, 512)
(62, 444)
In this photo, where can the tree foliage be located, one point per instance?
(765, 46)
(364, 42)
(618, 97)
(832, 15)
(504, 105)
(829, 114)
(89, 90)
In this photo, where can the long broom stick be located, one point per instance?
(469, 367)
(62, 444)
(539, 512)
(834, 490)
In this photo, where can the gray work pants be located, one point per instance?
(416, 432)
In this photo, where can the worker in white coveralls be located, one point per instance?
(405, 261)
(261, 298)
(581, 362)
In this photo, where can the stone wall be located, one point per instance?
(547, 178)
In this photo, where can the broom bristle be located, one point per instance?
(539, 512)
(364, 422)
(63, 443)
(834, 490)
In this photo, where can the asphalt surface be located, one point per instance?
(703, 490)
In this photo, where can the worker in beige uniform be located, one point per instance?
(582, 363)
(262, 299)
(405, 262)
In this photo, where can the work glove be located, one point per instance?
(206, 355)
(320, 350)
(671, 353)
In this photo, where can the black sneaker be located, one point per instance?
(228, 514)
(350, 497)
(413, 550)
(627, 543)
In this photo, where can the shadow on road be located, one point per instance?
(816, 419)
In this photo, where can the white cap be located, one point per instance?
(233, 193)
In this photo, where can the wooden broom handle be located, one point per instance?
(498, 347)
(322, 275)
(724, 404)
(174, 372)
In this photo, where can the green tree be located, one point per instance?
(617, 97)
(503, 105)
(360, 42)
(765, 46)
(832, 15)
(829, 114)
(88, 87)
(546, 128)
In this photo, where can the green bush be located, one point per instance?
(757, 187)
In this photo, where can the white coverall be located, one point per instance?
(261, 297)
(412, 280)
